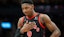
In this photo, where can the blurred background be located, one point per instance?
(10, 12)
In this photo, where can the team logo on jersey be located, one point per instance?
(36, 18)
(29, 33)
(37, 29)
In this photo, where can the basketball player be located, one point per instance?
(34, 24)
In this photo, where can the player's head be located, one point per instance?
(27, 7)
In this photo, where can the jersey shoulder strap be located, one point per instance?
(41, 24)
(22, 21)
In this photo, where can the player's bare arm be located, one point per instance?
(50, 25)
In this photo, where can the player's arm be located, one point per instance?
(17, 34)
(51, 26)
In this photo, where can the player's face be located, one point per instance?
(27, 9)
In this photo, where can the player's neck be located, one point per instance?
(32, 14)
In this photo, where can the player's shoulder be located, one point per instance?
(43, 15)
(21, 18)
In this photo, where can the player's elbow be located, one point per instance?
(58, 32)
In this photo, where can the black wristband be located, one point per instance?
(18, 34)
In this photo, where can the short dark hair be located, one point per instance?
(26, 1)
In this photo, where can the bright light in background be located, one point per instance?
(6, 25)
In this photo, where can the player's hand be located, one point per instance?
(27, 26)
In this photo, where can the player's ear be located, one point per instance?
(32, 6)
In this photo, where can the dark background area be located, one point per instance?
(10, 10)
